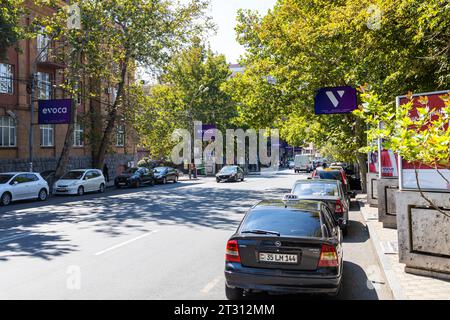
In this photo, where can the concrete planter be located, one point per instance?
(386, 192)
(372, 189)
(424, 234)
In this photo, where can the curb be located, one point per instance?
(391, 278)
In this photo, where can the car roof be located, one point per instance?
(318, 181)
(300, 205)
(18, 172)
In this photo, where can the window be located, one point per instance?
(120, 136)
(44, 86)
(6, 78)
(7, 132)
(43, 43)
(47, 135)
(23, 178)
(78, 135)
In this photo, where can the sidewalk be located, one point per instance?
(404, 286)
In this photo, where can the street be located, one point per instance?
(162, 242)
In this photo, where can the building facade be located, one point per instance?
(19, 112)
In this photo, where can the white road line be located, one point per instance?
(14, 237)
(125, 243)
(211, 285)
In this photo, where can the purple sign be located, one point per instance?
(54, 111)
(205, 127)
(336, 100)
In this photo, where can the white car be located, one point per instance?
(22, 186)
(80, 181)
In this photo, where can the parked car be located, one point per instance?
(285, 247)
(291, 164)
(230, 173)
(329, 191)
(166, 174)
(21, 186)
(80, 181)
(135, 177)
(334, 174)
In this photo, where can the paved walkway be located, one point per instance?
(404, 286)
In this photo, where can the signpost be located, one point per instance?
(55, 111)
(336, 100)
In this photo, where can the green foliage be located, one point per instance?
(11, 30)
(190, 90)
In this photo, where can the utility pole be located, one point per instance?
(31, 131)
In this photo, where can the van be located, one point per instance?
(301, 163)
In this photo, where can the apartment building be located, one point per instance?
(18, 106)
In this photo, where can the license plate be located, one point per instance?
(61, 189)
(122, 183)
(278, 258)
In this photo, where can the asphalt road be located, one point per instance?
(162, 242)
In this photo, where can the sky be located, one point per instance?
(224, 13)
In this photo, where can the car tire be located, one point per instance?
(80, 191)
(42, 195)
(233, 293)
(5, 199)
(101, 188)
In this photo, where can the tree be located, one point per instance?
(189, 89)
(11, 30)
(306, 45)
(116, 37)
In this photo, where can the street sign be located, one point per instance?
(336, 100)
(54, 111)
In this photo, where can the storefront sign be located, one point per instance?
(54, 111)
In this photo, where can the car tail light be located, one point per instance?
(232, 251)
(339, 207)
(328, 256)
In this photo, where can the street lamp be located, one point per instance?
(201, 89)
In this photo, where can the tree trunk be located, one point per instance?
(361, 142)
(99, 158)
(361, 159)
(68, 142)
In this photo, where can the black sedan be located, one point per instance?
(166, 174)
(135, 177)
(285, 246)
(230, 173)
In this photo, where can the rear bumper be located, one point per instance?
(237, 276)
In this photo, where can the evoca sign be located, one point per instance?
(54, 111)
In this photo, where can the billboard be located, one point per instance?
(429, 178)
(54, 111)
(336, 100)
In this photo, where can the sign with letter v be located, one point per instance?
(336, 100)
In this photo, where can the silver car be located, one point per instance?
(80, 181)
(22, 186)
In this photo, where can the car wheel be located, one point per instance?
(5, 199)
(233, 293)
(175, 180)
(42, 195)
(80, 191)
(102, 188)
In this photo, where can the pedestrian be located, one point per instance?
(105, 172)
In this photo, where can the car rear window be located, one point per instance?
(316, 189)
(335, 175)
(288, 222)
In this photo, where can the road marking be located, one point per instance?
(14, 237)
(125, 243)
(211, 285)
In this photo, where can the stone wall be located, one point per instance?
(387, 188)
(424, 233)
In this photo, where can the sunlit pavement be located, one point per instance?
(162, 242)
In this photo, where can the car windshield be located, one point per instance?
(131, 170)
(4, 178)
(228, 170)
(73, 175)
(316, 189)
(160, 169)
(334, 175)
(286, 222)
